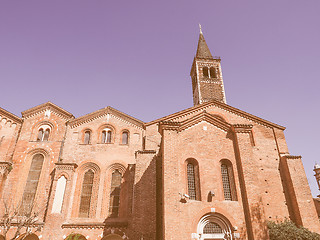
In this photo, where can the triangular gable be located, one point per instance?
(47, 106)
(203, 116)
(6, 114)
(104, 111)
(226, 107)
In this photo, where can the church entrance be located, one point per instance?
(214, 226)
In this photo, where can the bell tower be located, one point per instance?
(207, 82)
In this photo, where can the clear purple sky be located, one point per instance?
(136, 57)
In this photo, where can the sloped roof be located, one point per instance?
(45, 106)
(221, 105)
(203, 116)
(203, 49)
(10, 115)
(91, 116)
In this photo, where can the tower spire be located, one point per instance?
(207, 82)
(203, 49)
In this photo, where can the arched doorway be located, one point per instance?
(76, 236)
(214, 226)
(112, 237)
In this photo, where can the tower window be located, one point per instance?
(205, 72)
(213, 73)
(125, 137)
(87, 136)
(85, 201)
(115, 194)
(106, 136)
(228, 181)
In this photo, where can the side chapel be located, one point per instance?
(211, 171)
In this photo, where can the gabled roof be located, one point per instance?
(203, 116)
(10, 115)
(203, 49)
(47, 106)
(104, 111)
(226, 107)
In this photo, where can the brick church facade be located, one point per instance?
(210, 171)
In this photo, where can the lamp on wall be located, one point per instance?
(183, 197)
(211, 193)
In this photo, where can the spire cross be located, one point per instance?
(200, 28)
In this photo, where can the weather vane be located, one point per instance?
(200, 28)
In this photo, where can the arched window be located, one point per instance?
(213, 73)
(40, 135)
(43, 133)
(46, 134)
(228, 181)
(59, 195)
(26, 236)
(205, 71)
(125, 137)
(75, 236)
(115, 194)
(106, 136)
(193, 182)
(87, 136)
(32, 183)
(86, 193)
(212, 228)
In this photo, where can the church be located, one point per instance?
(211, 171)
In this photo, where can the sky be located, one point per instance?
(136, 56)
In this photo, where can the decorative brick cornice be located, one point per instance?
(84, 225)
(119, 223)
(6, 114)
(146, 152)
(36, 224)
(242, 128)
(203, 116)
(66, 166)
(221, 105)
(5, 167)
(292, 157)
(47, 106)
(102, 112)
